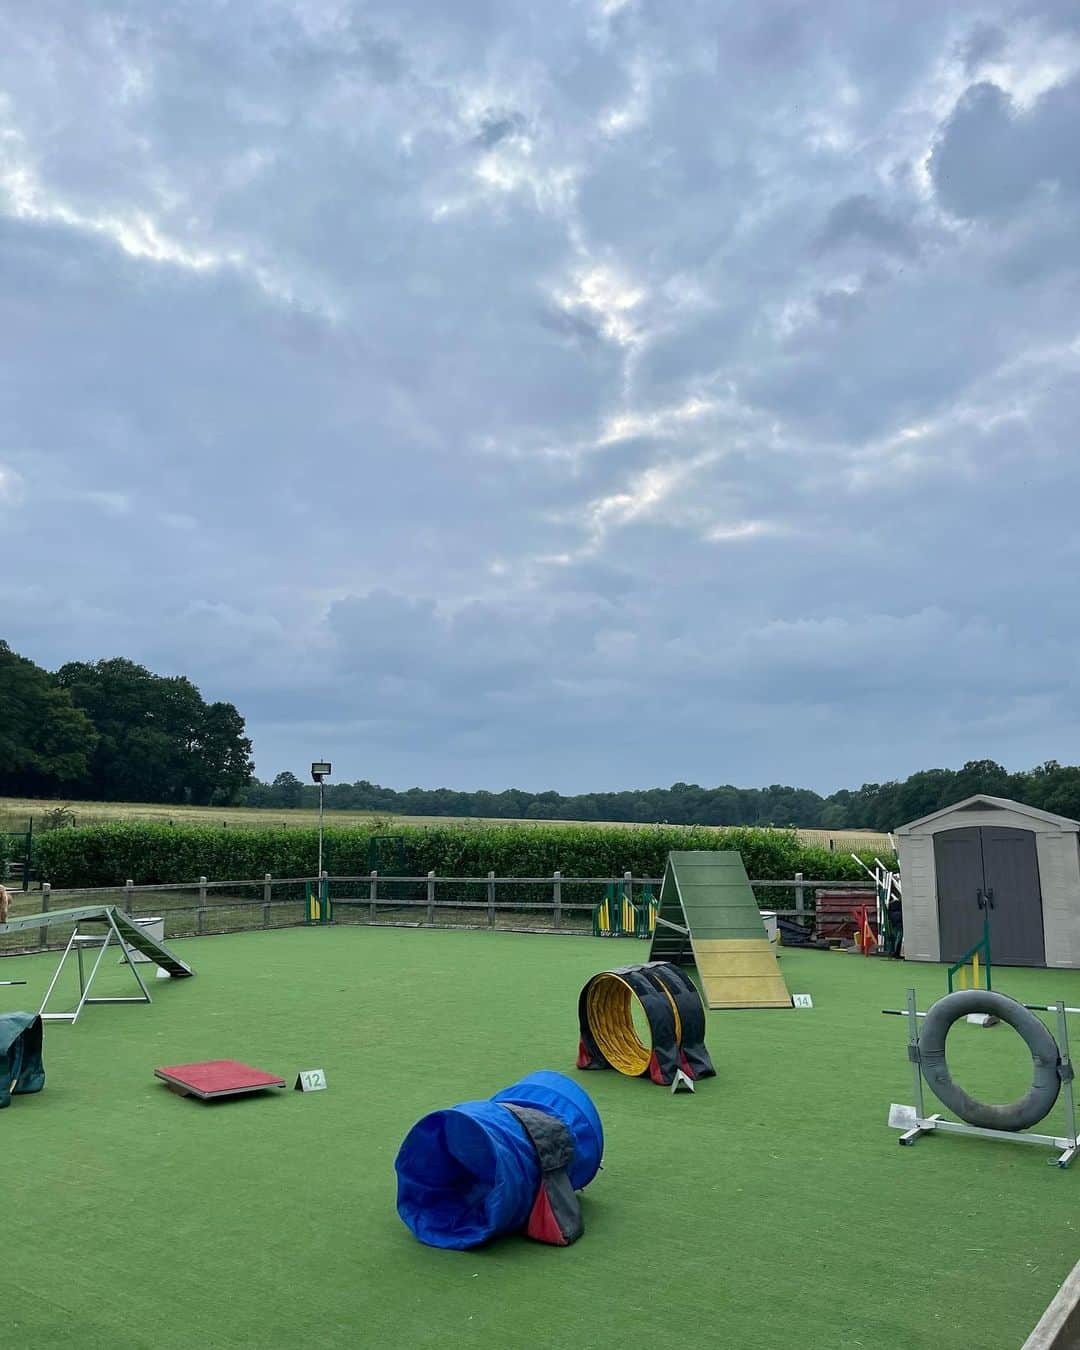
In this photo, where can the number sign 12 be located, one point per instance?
(310, 1080)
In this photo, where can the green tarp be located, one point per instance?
(21, 1067)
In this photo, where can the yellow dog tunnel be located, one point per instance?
(672, 1008)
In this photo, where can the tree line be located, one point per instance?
(874, 806)
(113, 731)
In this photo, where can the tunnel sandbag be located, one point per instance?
(693, 1057)
(608, 1038)
(560, 1096)
(555, 1217)
(483, 1169)
(1028, 1110)
(21, 1066)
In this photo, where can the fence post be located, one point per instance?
(43, 933)
(628, 885)
(266, 899)
(373, 895)
(431, 897)
(556, 900)
(491, 899)
(200, 913)
(129, 896)
(800, 903)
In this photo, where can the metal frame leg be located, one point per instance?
(86, 983)
(925, 1124)
(58, 1017)
(128, 957)
(84, 990)
(1067, 1088)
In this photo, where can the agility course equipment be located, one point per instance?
(673, 1009)
(888, 886)
(118, 926)
(708, 916)
(1052, 1073)
(482, 1169)
(974, 966)
(317, 906)
(619, 915)
(154, 925)
(214, 1078)
(21, 1066)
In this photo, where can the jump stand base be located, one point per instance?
(903, 1117)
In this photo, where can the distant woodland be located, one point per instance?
(874, 806)
(114, 731)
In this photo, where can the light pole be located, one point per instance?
(319, 771)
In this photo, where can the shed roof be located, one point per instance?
(991, 804)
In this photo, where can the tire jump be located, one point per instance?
(675, 1014)
(1048, 1069)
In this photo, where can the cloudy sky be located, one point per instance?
(588, 394)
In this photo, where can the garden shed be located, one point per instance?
(987, 855)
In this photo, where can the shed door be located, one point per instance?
(958, 862)
(1004, 862)
(1011, 868)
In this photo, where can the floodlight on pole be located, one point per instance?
(320, 769)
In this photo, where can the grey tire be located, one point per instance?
(1028, 1110)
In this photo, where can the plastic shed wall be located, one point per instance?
(1058, 853)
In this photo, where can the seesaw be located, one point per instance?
(118, 926)
(1052, 1073)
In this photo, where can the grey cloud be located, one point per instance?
(497, 126)
(615, 454)
(840, 305)
(569, 324)
(992, 157)
(983, 43)
(859, 219)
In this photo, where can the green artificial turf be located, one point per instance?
(771, 1209)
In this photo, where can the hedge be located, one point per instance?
(107, 855)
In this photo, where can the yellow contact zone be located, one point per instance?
(608, 1010)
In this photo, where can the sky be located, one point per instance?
(587, 395)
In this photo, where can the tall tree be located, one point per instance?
(159, 740)
(46, 742)
(219, 755)
(287, 790)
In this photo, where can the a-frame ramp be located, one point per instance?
(708, 915)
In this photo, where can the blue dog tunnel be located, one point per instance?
(479, 1170)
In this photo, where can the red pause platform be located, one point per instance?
(217, 1078)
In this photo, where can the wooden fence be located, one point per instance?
(552, 904)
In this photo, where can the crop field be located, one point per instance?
(15, 812)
